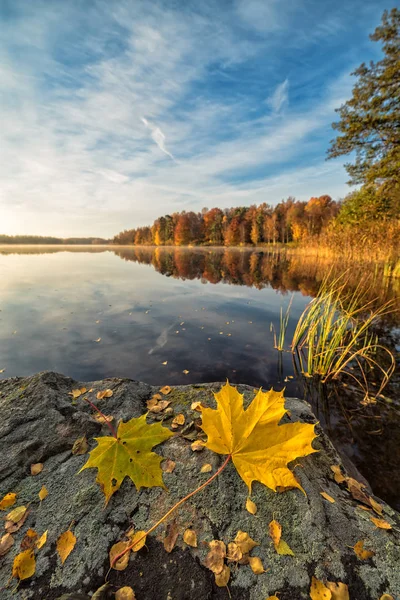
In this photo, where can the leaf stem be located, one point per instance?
(104, 417)
(173, 509)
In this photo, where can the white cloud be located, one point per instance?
(280, 97)
(158, 137)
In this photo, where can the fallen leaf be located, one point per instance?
(43, 493)
(116, 549)
(75, 393)
(234, 553)
(339, 590)
(104, 394)
(8, 500)
(65, 544)
(156, 397)
(36, 468)
(165, 390)
(24, 565)
(386, 597)
(215, 557)
(273, 597)
(129, 455)
(361, 553)
(206, 468)
(157, 407)
(101, 593)
(284, 549)
(318, 590)
(260, 448)
(378, 508)
(42, 540)
(339, 478)
(251, 506)
(328, 497)
(197, 446)
(381, 523)
(256, 565)
(80, 446)
(138, 540)
(125, 593)
(190, 538)
(170, 539)
(222, 578)
(98, 340)
(275, 531)
(178, 421)
(6, 542)
(244, 542)
(15, 523)
(168, 465)
(29, 539)
(165, 362)
(103, 418)
(185, 372)
(16, 514)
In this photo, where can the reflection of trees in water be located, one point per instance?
(280, 270)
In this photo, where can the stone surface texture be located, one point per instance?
(40, 423)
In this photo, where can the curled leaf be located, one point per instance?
(378, 508)
(338, 476)
(197, 446)
(166, 389)
(178, 421)
(104, 394)
(234, 553)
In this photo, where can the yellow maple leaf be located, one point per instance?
(260, 448)
(129, 455)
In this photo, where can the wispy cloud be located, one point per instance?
(280, 97)
(158, 137)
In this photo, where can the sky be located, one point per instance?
(115, 112)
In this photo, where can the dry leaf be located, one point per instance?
(116, 549)
(98, 340)
(24, 565)
(256, 565)
(165, 390)
(42, 540)
(156, 397)
(284, 548)
(178, 421)
(138, 540)
(125, 593)
(16, 514)
(381, 523)
(36, 468)
(197, 406)
(206, 468)
(43, 493)
(361, 553)
(65, 544)
(185, 372)
(275, 531)
(168, 465)
(339, 478)
(103, 418)
(378, 508)
(170, 539)
(244, 542)
(29, 540)
(190, 538)
(386, 597)
(215, 557)
(234, 553)
(158, 406)
(260, 448)
(328, 497)
(6, 542)
(8, 500)
(251, 506)
(273, 597)
(104, 394)
(197, 446)
(222, 578)
(165, 362)
(318, 591)
(339, 590)
(75, 393)
(80, 446)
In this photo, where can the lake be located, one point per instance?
(178, 316)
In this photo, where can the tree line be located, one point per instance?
(47, 239)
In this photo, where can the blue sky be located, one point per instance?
(116, 112)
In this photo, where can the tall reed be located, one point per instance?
(279, 342)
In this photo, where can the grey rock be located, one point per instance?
(40, 422)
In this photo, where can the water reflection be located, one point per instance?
(209, 314)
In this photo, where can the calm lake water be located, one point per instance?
(153, 314)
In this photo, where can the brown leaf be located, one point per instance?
(24, 565)
(256, 565)
(36, 468)
(104, 394)
(381, 523)
(378, 508)
(190, 538)
(125, 593)
(6, 542)
(11, 526)
(171, 537)
(328, 497)
(116, 549)
(168, 465)
(159, 406)
(178, 421)
(80, 446)
(165, 390)
(251, 506)
(29, 540)
(339, 478)
(244, 541)
(43, 493)
(206, 468)
(103, 419)
(196, 406)
(361, 553)
(215, 557)
(234, 553)
(222, 578)
(197, 446)
(8, 500)
(65, 544)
